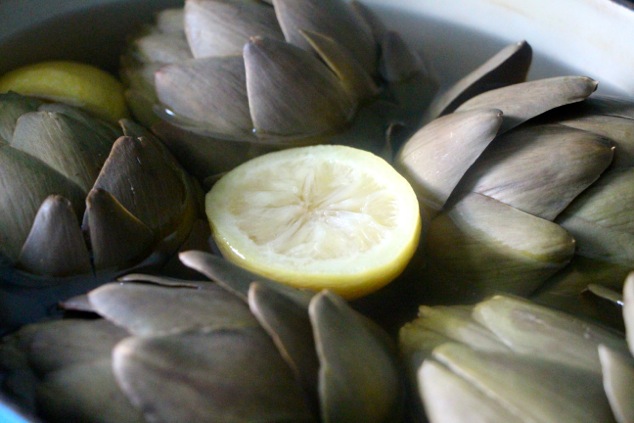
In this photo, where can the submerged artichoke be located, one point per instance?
(509, 360)
(241, 349)
(82, 198)
(233, 79)
(521, 180)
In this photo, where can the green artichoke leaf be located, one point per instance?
(537, 390)
(539, 169)
(12, 106)
(523, 101)
(358, 377)
(149, 310)
(480, 246)
(507, 67)
(618, 381)
(83, 391)
(332, 18)
(448, 398)
(228, 375)
(602, 219)
(437, 156)
(537, 331)
(55, 245)
(221, 28)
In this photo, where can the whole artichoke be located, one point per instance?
(240, 349)
(223, 81)
(81, 200)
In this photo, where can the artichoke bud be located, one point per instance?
(551, 366)
(480, 246)
(277, 353)
(57, 159)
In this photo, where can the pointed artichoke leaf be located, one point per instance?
(55, 246)
(77, 393)
(63, 343)
(437, 156)
(26, 183)
(117, 237)
(523, 101)
(606, 105)
(537, 331)
(566, 290)
(605, 294)
(208, 93)
(457, 324)
(291, 92)
(356, 79)
(371, 19)
(67, 145)
(358, 378)
(78, 303)
(221, 28)
(332, 18)
(602, 218)
(628, 310)
(237, 279)
(399, 61)
(507, 67)
(146, 183)
(101, 128)
(539, 169)
(448, 398)
(162, 280)
(228, 376)
(150, 310)
(616, 128)
(289, 326)
(480, 246)
(161, 47)
(12, 106)
(618, 381)
(537, 390)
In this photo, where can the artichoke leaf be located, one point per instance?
(507, 67)
(291, 92)
(525, 100)
(55, 245)
(480, 246)
(77, 393)
(448, 398)
(618, 381)
(12, 106)
(537, 390)
(437, 156)
(150, 310)
(228, 376)
(332, 18)
(171, 20)
(161, 47)
(221, 28)
(358, 377)
(539, 169)
(628, 310)
(537, 331)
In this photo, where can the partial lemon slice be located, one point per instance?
(320, 217)
(73, 83)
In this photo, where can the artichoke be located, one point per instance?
(239, 349)
(81, 200)
(507, 359)
(526, 187)
(224, 81)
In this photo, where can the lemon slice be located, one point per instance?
(320, 217)
(73, 83)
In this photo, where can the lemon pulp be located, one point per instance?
(320, 217)
(77, 84)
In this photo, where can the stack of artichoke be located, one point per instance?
(224, 81)
(231, 351)
(81, 201)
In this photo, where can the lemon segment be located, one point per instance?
(319, 217)
(73, 83)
